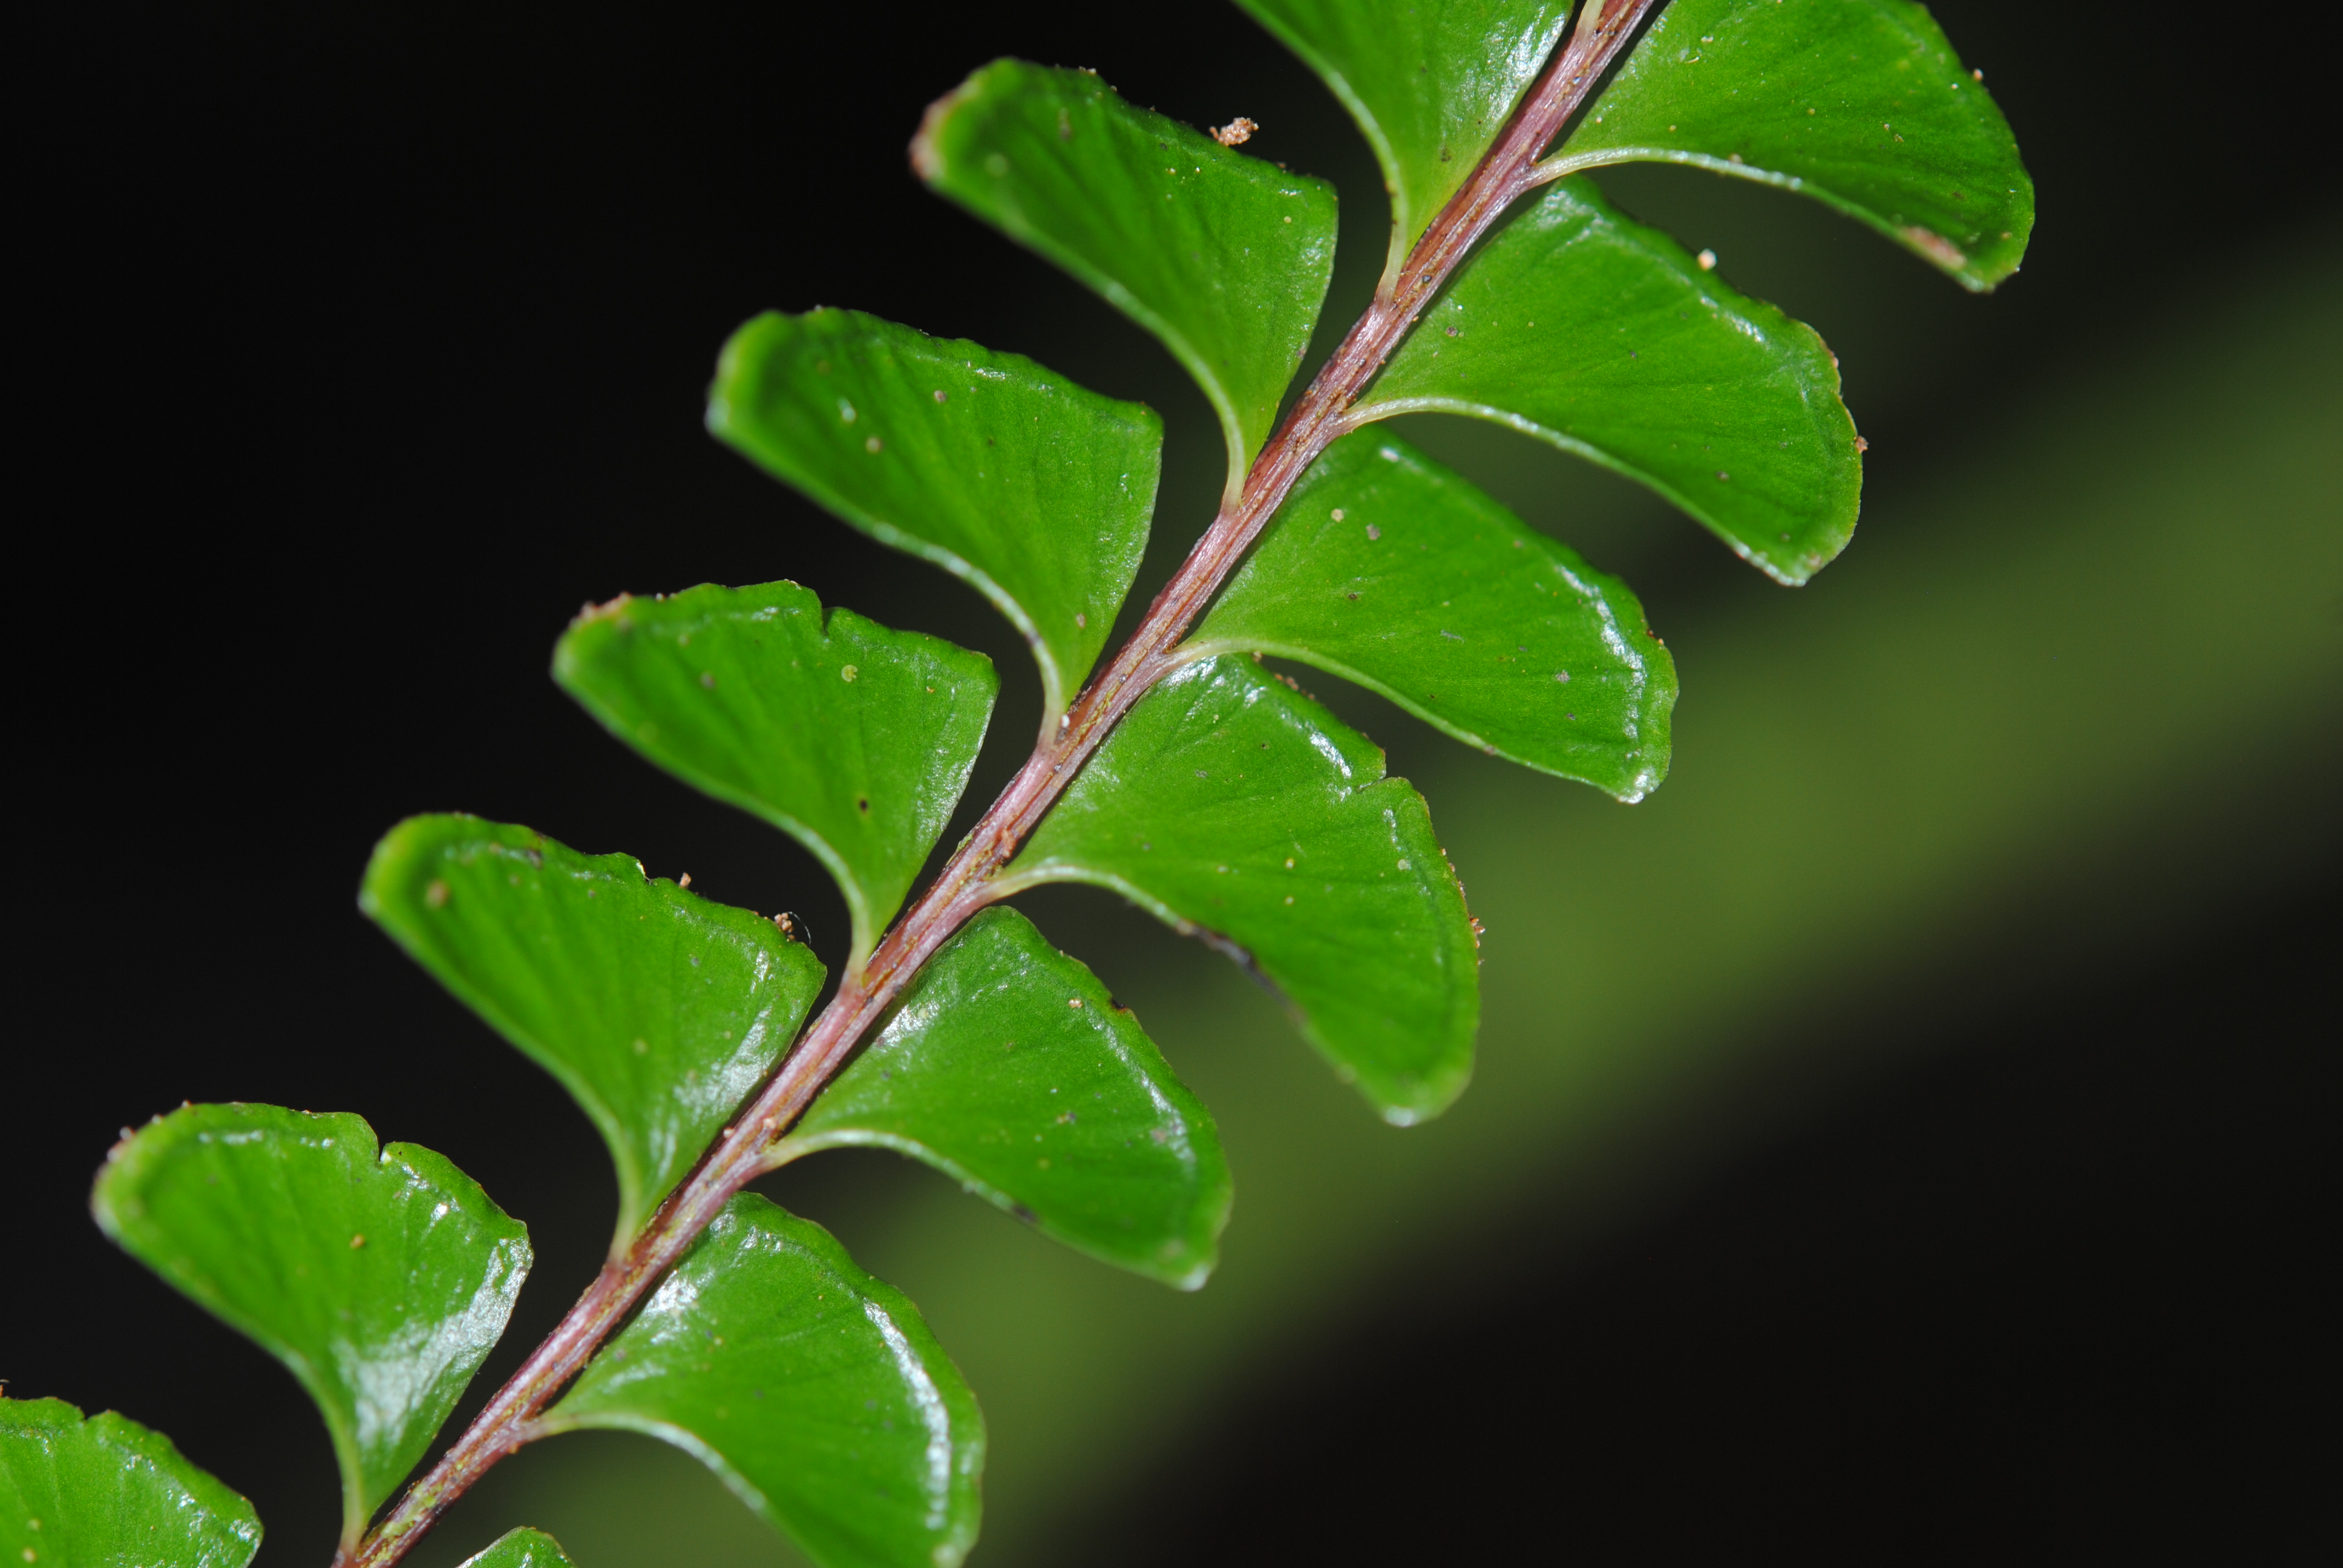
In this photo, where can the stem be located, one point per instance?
(745, 1149)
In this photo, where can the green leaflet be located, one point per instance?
(659, 1010)
(813, 1390)
(521, 1549)
(1860, 104)
(1583, 327)
(107, 1493)
(1236, 808)
(1430, 85)
(854, 739)
(1388, 570)
(1007, 1065)
(380, 1278)
(995, 469)
(1225, 257)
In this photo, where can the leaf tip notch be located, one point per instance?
(378, 1275)
(1225, 257)
(107, 1490)
(853, 737)
(657, 1009)
(1035, 491)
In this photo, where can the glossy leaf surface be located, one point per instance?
(1429, 84)
(1584, 328)
(659, 1010)
(1008, 1066)
(1386, 568)
(521, 1549)
(854, 739)
(997, 470)
(1225, 257)
(1236, 808)
(379, 1277)
(815, 1392)
(1860, 104)
(106, 1492)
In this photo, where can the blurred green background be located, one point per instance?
(2076, 693)
(1920, 1113)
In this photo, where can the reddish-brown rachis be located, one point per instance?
(745, 1149)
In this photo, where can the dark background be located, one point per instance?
(359, 346)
